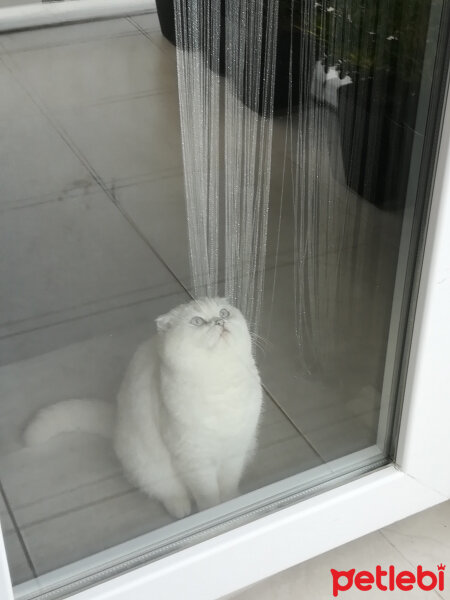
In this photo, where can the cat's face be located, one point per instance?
(210, 324)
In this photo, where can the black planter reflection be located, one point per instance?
(302, 58)
(377, 109)
(377, 119)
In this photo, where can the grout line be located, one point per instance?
(78, 509)
(402, 554)
(312, 447)
(145, 32)
(399, 551)
(381, 531)
(69, 491)
(139, 95)
(6, 531)
(18, 531)
(148, 34)
(98, 306)
(115, 201)
(75, 193)
(83, 191)
(137, 180)
(9, 65)
(92, 314)
(63, 44)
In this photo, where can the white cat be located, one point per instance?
(187, 410)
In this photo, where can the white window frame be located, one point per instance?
(419, 479)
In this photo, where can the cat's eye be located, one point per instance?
(224, 313)
(197, 321)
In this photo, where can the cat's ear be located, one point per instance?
(163, 322)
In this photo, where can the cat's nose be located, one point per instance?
(220, 322)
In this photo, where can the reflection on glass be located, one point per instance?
(97, 258)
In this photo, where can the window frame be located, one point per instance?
(418, 479)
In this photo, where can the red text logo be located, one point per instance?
(388, 579)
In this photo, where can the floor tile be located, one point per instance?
(37, 163)
(335, 440)
(129, 65)
(18, 565)
(340, 216)
(57, 330)
(5, 519)
(92, 368)
(337, 220)
(282, 452)
(148, 22)
(158, 209)
(163, 44)
(45, 37)
(69, 472)
(424, 539)
(381, 228)
(72, 252)
(312, 579)
(128, 139)
(91, 529)
(346, 384)
(14, 101)
(315, 146)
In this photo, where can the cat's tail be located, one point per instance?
(90, 416)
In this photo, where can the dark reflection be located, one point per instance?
(369, 55)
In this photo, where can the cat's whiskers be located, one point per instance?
(258, 339)
(257, 344)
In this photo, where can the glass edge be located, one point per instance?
(438, 98)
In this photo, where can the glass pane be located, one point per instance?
(294, 184)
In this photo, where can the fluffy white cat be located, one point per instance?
(187, 410)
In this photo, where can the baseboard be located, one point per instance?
(44, 14)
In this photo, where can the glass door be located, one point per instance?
(322, 168)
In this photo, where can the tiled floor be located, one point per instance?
(419, 540)
(93, 247)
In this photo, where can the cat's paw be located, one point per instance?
(178, 506)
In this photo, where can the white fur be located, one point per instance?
(187, 409)
(91, 416)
